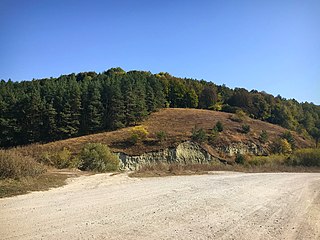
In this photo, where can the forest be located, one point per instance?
(44, 110)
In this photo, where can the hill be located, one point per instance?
(46, 110)
(178, 124)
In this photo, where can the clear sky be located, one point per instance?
(270, 45)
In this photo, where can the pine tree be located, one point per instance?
(94, 109)
(75, 105)
(116, 113)
(49, 127)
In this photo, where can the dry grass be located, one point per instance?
(162, 170)
(51, 179)
(177, 124)
(14, 165)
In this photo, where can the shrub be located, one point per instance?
(263, 136)
(245, 128)
(161, 136)
(309, 157)
(199, 135)
(281, 146)
(289, 137)
(98, 157)
(138, 133)
(219, 126)
(212, 137)
(61, 159)
(239, 116)
(14, 165)
(240, 158)
(134, 138)
(271, 160)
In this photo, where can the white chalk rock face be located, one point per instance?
(190, 152)
(186, 152)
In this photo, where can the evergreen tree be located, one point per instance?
(94, 109)
(49, 127)
(116, 114)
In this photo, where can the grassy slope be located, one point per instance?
(178, 124)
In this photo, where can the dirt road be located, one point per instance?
(214, 206)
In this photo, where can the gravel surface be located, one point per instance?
(214, 206)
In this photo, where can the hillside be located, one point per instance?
(178, 124)
(51, 109)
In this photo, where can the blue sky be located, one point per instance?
(265, 45)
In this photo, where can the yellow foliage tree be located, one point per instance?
(285, 146)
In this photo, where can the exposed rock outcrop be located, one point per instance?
(186, 152)
(189, 152)
(249, 148)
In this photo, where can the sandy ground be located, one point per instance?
(214, 206)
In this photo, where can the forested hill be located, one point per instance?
(45, 110)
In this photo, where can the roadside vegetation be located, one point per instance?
(304, 160)
(21, 173)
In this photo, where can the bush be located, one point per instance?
(14, 165)
(271, 160)
(281, 146)
(213, 136)
(309, 157)
(239, 116)
(240, 158)
(61, 159)
(161, 136)
(263, 136)
(219, 126)
(199, 135)
(289, 137)
(98, 157)
(245, 128)
(138, 133)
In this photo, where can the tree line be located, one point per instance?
(44, 110)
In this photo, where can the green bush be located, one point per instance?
(219, 126)
(161, 136)
(240, 158)
(213, 136)
(14, 165)
(98, 157)
(245, 128)
(199, 135)
(134, 138)
(263, 136)
(309, 157)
